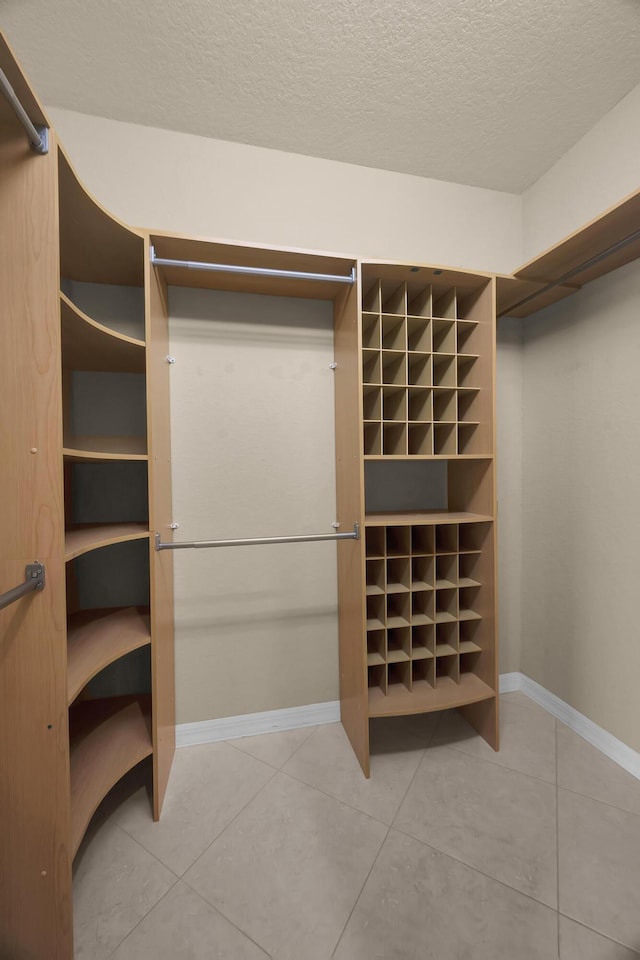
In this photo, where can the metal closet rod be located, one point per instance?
(252, 271)
(256, 541)
(570, 274)
(38, 137)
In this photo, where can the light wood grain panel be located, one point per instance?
(425, 699)
(160, 518)
(96, 638)
(511, 293)
(33, 108)
(405, 518)
(108, 738)
(35, 877)
(88, 345)
(95, 247)
(350, 507)
(81, 539)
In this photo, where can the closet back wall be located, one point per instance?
(188, 184)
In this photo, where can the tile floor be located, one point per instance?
(276, 846)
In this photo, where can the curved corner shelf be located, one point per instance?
(108, 738)
(82, 539)
(96, 638)
(88, 345)
(105, 448)
(424, 698)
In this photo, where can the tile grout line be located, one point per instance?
(232, 743)
(605, 936)
(389, 828)
(604, 803)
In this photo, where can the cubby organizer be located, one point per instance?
(429, 599)
(427, 370)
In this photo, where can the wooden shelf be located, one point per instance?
(107, 738)
(105, 448)
(88, 345)
(81, 539)
(96, 638)
(423, 698)
(402, 519)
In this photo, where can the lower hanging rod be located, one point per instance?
(252, 271)
(256, 541)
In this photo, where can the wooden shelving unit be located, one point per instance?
(96, 638)
(418, 625)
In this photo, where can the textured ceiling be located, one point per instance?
(484, 92)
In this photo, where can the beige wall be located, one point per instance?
(255, 630)
(581, 510)
(596, 173)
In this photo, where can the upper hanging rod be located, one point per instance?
(257, 541)
(253, 271)
(591, 262)
(38, 136)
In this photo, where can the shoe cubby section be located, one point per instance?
(430, 621)
(427, 365)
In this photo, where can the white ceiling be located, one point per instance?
(484, 92)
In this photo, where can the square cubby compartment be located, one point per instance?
(371, 327)
(445, 304)
(398, 541)
(422, 573)
(444, 336)
(394, 368)
(423, 642)
(371, 366)
(376, 648)
(470, 636)
(445, 407)
(447, 571)
(420, 440)
(375, 577)
(446, 605)
(398, 575)
(422, 608)
(445, 439)
(468, 604)
(470, 662)
(372, 442)
(447, 670)
(377, 676)
(398, 644)
(422, 540)
(468, 437)
(466, 371)
(423, 673)
(419, 335)
(446, 538)
(419, 369)
(394, 298)
(420, 405)
(371, 298)
(466, 336)
(473, 536)
(419, 300)
(468, 405)
(375, 613)
(394, 439)
(374, 541)
(446, 639)
(400, 675)
(398, 610)
(444, 371)
(394, 403)
(468, 569)
(372, 403)
(394, 333)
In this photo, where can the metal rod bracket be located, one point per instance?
(34, 579)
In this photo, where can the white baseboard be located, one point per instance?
(253, 724)
(601, 739)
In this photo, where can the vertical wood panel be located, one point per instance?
(35, 864)
(354, 706)
(160, 516)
